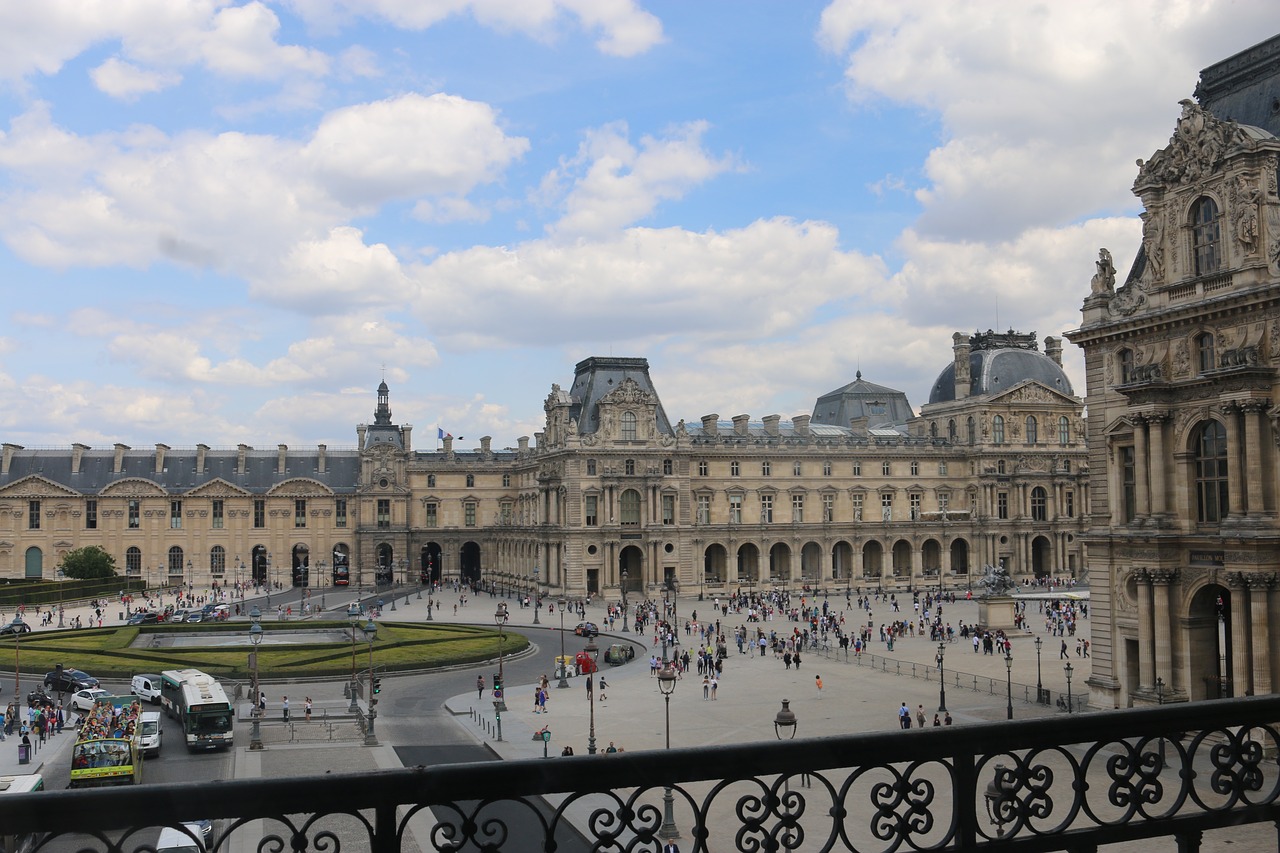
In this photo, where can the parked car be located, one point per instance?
(587, 629)
(195, 616)
(64, 680)
(177, 841)
(9, 628)
(84, 700)
(146, 686)
(143, 618)
(178, 616)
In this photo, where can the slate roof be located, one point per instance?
(993, 371)
(880, 405)
(595, 377)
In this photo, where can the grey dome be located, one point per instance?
(993, 371)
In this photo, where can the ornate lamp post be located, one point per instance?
(61, 576)
(394, 564)
(537, 600)
(564, 682)
(239, 577)
(18, 627)
(266, 578)
(1039, 686)
(353, 619)
(500, 617)
(667, 684)
(784, 722)
(593, 651)
(371, 634)
(625, 629)
(1008, 666)
(1068, 669)
(255, 637)
(1160, 701)
(325, 580)
(942, 678)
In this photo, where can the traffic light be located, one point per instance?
(377, 686)
(497, 686)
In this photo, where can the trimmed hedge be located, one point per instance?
(31, 592)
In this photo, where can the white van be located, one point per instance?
(176, 841)
(150, 739)
(146, 686)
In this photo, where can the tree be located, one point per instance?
(88, 562)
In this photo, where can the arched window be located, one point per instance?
(969, 435)
(997, 429)
(1033, 430)
(628, 426)
(630, 505)
(1211, 473)
(175, 560)
(471, 481)
(1124, 366)
(1039, 504)
(1205, 236)
(1205, 352)
(431, 481)
(133, 561)
(951, 430)
(933, 429)
(217, 559)
(1064, 431)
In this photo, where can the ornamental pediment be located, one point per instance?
(218, 488)
(629, 393)
(36, 486)
(300, 487)
(1031, 392)
(133, 487)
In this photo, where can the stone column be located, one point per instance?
(1241, 675)
(1259, 594)
(1146, 627)
(1235, 470)
(1141, 468)
(1254, 450)
(1162, 579)
(1157, 461)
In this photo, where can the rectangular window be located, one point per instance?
(591, 467)
(942, 469)
(433, 514)
(1128, 485)
(943, 500)
(735, 509)
(704, 509)
(506, 512)
(857, 507)
(340, 512)
(630, 467)
(591, 512)
(384, 512)
(1002, 505)
(668, 467)
(915, 468)
(91, 514)
(765, 468)
(703, 468)
(857, 469)
(668, 509)
(826, 469)
(300, 512)
(733, 468)
(1070, 499)
(796, 468)
(259, 513)
(218, 513)
(884, 469)
(914, 500)
(33, 515)
(797, 508)
(828, 508)
(469, 514)
(175, 515)
(134, 513)
(506, 481)
(766, 509)
(886, 507)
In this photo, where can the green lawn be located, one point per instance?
(106, 652)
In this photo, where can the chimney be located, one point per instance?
(740, 424)
(859, 426)
(118, 462)
(202, 450)
(1053, 349)
(160, 449)
(77, 453)
(282, 456)
(960, 351)
(448, 445)
(361, 429)
(485, 442)
(801, 424)
(538, 438)
(711, 425)
(771, 424)
(240, 458)
(523, 442)
(8, 456)
(320, 458)
(406, 432)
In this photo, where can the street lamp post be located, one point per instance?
(1068, 669)
(266, 578)
(593, 652)
(61, 575)
(255, 637)
(191, 577)
(17, 626)
(353, 619)
(325, 580)
(564, 682)
(1008, 666)
(625, 629)
(537, 600)
(1160, 701)
(667, 684)
(1039, 686)
(784, 722)
(500, 617)
(942, 678)
(371, 634)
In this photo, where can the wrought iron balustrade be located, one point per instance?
(1064, 783)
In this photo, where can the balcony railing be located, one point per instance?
(1065, 783)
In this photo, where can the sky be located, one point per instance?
(226, 222)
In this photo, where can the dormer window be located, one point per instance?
(628, 426)
(1205, 236)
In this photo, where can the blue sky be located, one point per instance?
(222, 221)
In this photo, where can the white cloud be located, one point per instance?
(614, 183)
(333, 274)
(126, 81)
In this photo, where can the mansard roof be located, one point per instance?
(880, 405)
(596, 377)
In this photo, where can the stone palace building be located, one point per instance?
(863, 492)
